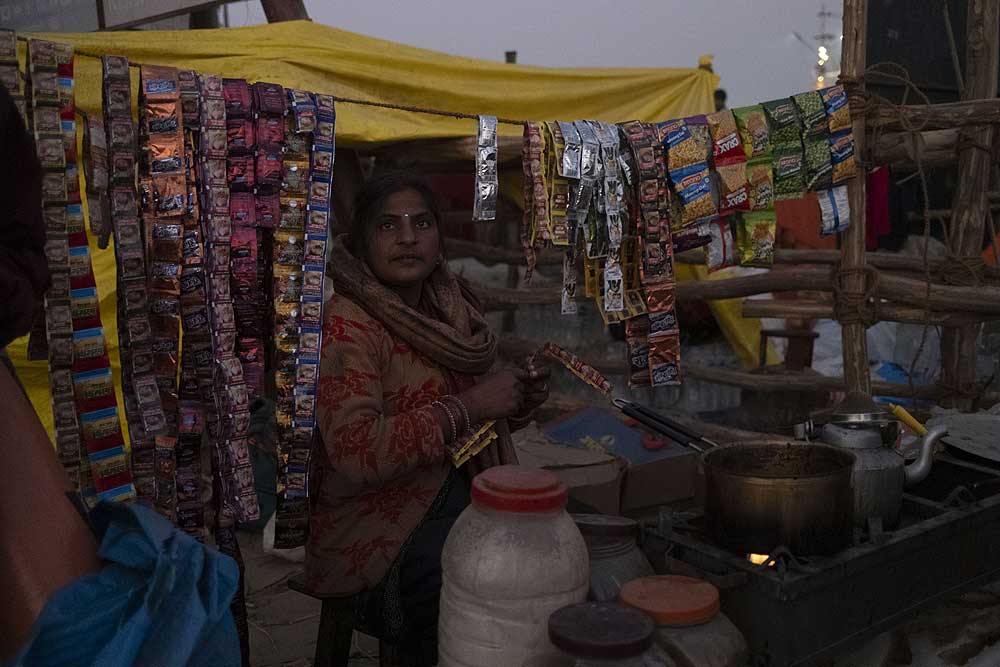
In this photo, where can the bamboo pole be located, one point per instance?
(970, 207)
(853, 64)
(892, 287)
(880, 260)
(888, 312)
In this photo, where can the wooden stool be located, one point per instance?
(798, 355)
(336, 626)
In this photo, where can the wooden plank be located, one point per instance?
(775, 381)
(970, 206)
(853, 64)
(284, 10)
(967, 113)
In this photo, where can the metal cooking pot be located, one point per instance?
(759, 496)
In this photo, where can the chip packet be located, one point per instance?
(760, 184)
(721, 250)
(756, 236)
(838, 112)
(842, 157)
(753, 128)
(694, 189)
(812, 113)
(789, 173)
(819, 168)
(835, 210)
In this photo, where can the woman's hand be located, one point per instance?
(498, 396)
(536, 388)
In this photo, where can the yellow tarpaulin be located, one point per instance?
(306, 55)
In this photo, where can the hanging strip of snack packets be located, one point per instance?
(484, 206)
(659, 283)
(104, 473)
(143, 410)
(788, 160)
(56, 328)
(292, 523)
(534, 223)
(196, 390)
(557, 186)
(164, 200)
(289, 287)
(576, 366)
(10, 75)
(729, 160)
(95, 169)
(238, 305)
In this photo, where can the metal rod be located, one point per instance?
(675, 425)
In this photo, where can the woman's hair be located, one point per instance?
(371, 198)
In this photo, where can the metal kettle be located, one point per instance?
(880, 472)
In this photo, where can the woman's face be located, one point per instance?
(404, 247)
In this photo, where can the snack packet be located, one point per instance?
(754, 134)
(760, 184)
(757, 232)
(842, 157)
(693, 187)
(819, 168)
(835, 210)
(783, 123)
(812, 113)
(838, 112)
(789, 174)
(721, 251)
(726, 146)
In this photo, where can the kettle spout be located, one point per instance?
(919, 469)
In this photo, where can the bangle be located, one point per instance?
(464, 411)
(451, 419)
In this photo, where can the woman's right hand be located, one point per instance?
(498, 396)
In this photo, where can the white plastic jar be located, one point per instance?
(513, 557)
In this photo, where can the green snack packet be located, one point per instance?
(812, 113)
(782, 122)
(755, 238)
(752, 124)
(819, 168)
(789, 174)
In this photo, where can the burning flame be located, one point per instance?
(758, 559)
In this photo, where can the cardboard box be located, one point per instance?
(652, 477)
(593, 476)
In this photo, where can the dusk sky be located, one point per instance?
(756, 54)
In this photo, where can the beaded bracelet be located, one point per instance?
(464, 412)
(451, 418)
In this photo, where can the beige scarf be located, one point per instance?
(457, 337)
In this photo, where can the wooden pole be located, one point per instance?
(853, 64)
(277, 11)
(888, 312)
(971, 205)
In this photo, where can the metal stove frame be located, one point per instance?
(801, 611)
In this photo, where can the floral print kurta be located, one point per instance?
(382, 459)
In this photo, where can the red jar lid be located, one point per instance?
(519, 489)
(672, 599)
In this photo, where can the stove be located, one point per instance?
(802, 611)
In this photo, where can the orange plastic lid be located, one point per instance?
(673, 599)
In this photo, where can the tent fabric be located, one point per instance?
(309, 56)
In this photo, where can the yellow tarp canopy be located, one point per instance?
(309, 56)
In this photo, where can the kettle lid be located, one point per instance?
(858, 408)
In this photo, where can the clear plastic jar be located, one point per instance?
(615, 558)
(513, 557)
(689, 626)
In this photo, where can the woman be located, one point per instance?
(404, 377)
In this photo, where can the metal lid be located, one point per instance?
(858, 408)
(605, 525)
(601, 630)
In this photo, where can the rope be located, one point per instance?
(963, 271)
(853, 306)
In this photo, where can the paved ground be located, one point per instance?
(283, 623)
